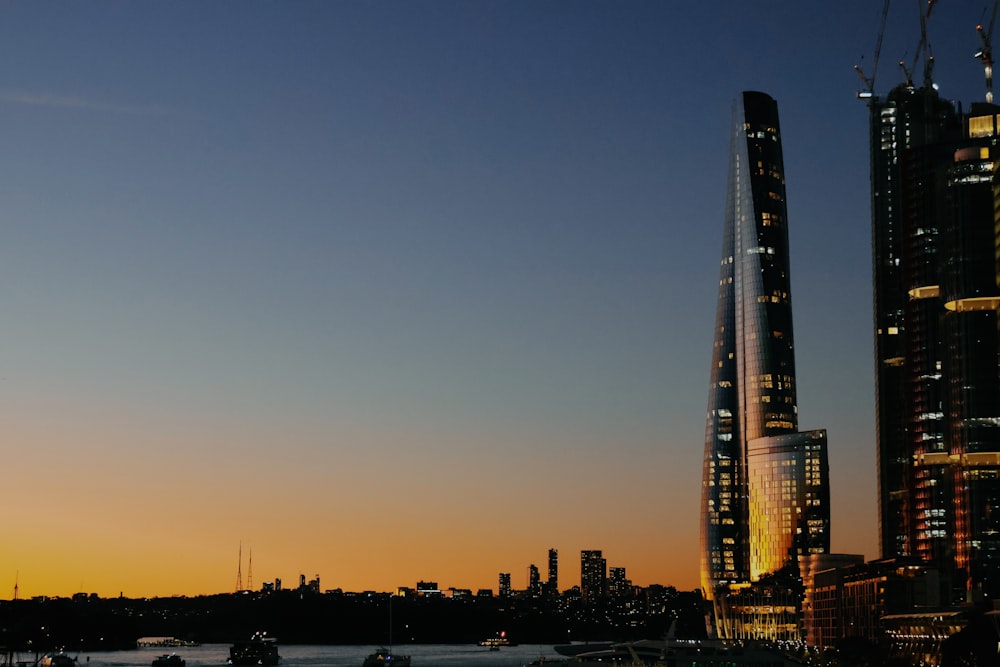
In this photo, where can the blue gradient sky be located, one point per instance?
(319, 277)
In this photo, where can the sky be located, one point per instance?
(401, 291)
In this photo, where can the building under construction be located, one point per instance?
(935, 202)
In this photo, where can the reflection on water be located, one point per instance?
(424, 655)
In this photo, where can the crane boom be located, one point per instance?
(923, 47)
(869, 81)
(985, 53)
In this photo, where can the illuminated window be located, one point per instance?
(981, 126)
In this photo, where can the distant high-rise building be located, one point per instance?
(934, 242)
(593, 575)
(553, 580)
(765, 491)
(534, 581)
(427, 587)
(504, 585)
(618, 584)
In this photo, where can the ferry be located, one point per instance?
(258, 650)
(495, 642)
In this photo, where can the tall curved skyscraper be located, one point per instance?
(765, 497)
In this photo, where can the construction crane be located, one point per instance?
(985, 53)
(923, 47)
(869, 81)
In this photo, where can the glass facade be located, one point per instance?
(971, 360)
(759, 471)
(935, 270)
(911, 129)
(789, 500)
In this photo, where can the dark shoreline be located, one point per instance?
(89, 623)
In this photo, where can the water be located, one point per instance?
(423, 655)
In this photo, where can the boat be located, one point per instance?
(164, 642)
(495, 642)
(168, 660)
(258, 650)
(384, 657)
(56, 660)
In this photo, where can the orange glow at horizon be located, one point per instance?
(169, 520)
(154, 524)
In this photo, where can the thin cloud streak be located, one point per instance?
(68, 102)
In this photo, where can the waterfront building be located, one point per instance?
(933, 176)
(822, 579)
(553, 580)
(853, 600)
(752, 529)
(768, 608)
(956, 636)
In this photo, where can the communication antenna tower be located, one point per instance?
(239, 570)
(250, 571)
(17, 576)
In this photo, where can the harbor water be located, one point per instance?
(422, 655)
